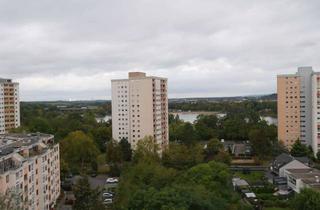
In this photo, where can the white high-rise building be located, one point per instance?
(140, 109)
(9, 105)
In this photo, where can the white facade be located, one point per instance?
(298, 179)
(9, 105)
(140, 109)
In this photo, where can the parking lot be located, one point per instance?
(95, 182)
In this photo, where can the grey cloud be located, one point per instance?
(205, 48)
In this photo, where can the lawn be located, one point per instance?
(251, 177)
(276, 208)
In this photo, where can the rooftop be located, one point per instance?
(10, 142)
(304, 173)
(138, 76)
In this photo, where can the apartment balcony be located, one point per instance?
(9, 165)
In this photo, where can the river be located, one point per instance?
(192, 116)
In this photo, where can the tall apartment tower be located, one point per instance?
(9, 105)
(140, 109)
(299, 108)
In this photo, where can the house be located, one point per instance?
(237, 148)
(294, 164)
(286, 161)
(299, 179)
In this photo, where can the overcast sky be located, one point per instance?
(71, 49)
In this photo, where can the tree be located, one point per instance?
(139, 176)
(86, 198)
(307, 199)
(113, 152)
(150, 185)
(40, 124)
(299, 150)
(214, 146)
(79, 152)
(147, 150)
(206, 126)
(186, 134)
(260, 142)
(101, 136)
(223, 157)
(179, 156)
(126, 151)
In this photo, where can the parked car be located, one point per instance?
(107, 195)
(107, 201)
(112, 180)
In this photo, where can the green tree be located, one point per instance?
(86, 198)
(140, 176)
(101, 136)
(150, 185)
(79, 152)
(223, 157)
(213, 147)
(179, 156)
(206, 126)
(40, 124)
(261, 143)
(126, 151)
(113, 152)
(307, 199)
(299, 150)
(147, 150)
(186, 134)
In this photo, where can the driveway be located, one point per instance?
(98, 181)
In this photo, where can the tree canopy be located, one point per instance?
(299, 150)
(79, 152)
(307, 199)
(86, 198)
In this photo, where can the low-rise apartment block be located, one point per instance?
(299, 179)
(30, 169)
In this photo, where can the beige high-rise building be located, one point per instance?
(299, 108)
(140, 109)
(288, 88)
(30, 170)
(9, 105)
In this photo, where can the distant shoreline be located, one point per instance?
(195, 112)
